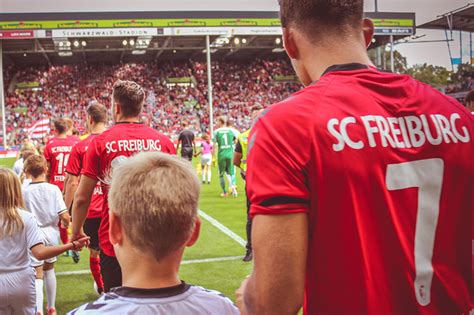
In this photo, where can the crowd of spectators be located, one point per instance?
(66, 90)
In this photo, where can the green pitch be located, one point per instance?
(222, 275)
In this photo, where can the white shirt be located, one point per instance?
(45, 202)
(18, 167)
(183, 299)
(14, 249)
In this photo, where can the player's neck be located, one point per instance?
(128, 119)
(141, 271)
(97, 129)
(62, 136)
(39, 179)
(328, 56)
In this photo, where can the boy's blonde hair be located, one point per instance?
(156, 197)
(11, 200)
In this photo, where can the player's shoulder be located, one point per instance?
(108, 303)
(214, 300)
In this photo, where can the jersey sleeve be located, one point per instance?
(169, 147)
(91, 161)
(47, 153)
(74, 164)
(59, 204)
(33, 233)
(276, 167)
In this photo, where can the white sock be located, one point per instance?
(229, 180)
(39, 295)
(203, 175)
(209, 175)
(50, 284)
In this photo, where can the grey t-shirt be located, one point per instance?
(14, 249)
(183, 299)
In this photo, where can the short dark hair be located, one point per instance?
(469, 97)
(35, 165)
(315, 17)
(61, 126)
(98, 112)
(131, 96)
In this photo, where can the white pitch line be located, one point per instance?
(223, 228)
(184, 262)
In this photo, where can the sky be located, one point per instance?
(426, 10)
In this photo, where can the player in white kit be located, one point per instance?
(151, 223)
(19, 233)
(46, 203)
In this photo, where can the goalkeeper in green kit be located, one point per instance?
(224, 138)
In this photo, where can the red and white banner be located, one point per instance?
(16, 34)
(39, 129)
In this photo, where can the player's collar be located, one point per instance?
(152, 293)
(346, 67)
(34, 183)
(129, 122)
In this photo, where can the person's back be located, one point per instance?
(183, 299)
(391, 196)
(44, 201)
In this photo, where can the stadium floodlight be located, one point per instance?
(278, 40)
(68, 44)
(227, 40)
(76, 43)
(124, 42)
(24, 55)
(132, 42)
(84, 43)
(174, 51)
(61, 44)
(237, 41)
(244, 40)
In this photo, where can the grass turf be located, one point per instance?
(223, 276)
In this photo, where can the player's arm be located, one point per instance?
(238, 154)
(81, 204)
(276, 285)
(179, 142)
(70, 187)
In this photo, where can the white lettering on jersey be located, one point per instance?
(402, 132)
(135, 145)
(60, 149)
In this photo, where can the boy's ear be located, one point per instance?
(195, 234)
(115, 229)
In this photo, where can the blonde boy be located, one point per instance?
(152, 220)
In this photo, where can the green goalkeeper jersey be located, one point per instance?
(224, 137)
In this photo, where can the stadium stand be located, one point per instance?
(176, 91)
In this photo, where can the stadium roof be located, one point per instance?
(59, 37)
(461, 19)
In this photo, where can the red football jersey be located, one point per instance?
(109, 149)
(75, 166)
(57, 153)
(383, 166)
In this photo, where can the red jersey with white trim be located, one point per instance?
(57, 153)
(109, 149)
(383, 166)
(74, 167)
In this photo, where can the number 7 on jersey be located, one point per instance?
(427, 176)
